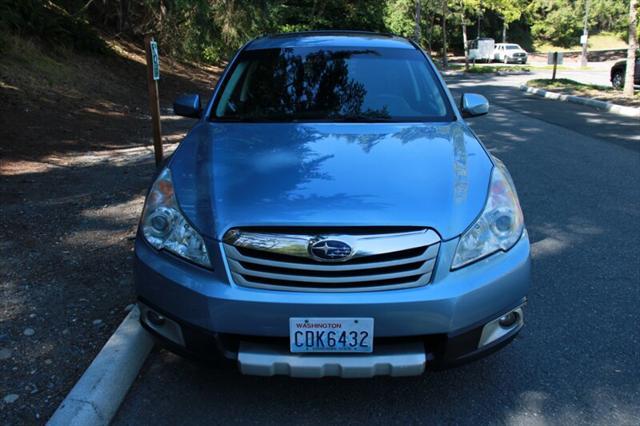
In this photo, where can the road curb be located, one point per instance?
(95, 398)
(606, 106)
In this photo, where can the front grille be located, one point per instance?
(519, 55)
(281, 261)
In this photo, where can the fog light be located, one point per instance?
(508, 320)
(155, 318)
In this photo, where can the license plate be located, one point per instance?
(331, 335)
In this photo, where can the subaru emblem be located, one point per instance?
(327, 250)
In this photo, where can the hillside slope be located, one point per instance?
(75, 160)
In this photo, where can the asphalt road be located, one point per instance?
(578, 359)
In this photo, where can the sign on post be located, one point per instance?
(153, 75)
(155, 60)
(551, 60)
(554, 58)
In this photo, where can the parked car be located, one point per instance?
(481, 50)
(618, 71)
(318, 220)
(509, 52)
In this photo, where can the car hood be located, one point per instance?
(290, 174)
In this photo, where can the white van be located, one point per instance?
(481, 49)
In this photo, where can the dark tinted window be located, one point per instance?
(344, 84)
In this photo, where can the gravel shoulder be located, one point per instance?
(75, 161)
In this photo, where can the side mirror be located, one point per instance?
(473, 105)
(187, 106)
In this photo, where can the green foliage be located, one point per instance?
(328, 14)
(399, 17)
(211, 30)
(560, 22)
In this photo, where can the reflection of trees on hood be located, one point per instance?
(271, 172)
(269, 169)
(368, 141)
(317, 83)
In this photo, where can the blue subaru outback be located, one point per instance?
(332, 214)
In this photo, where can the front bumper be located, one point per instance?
(217, 319)
(517, 60)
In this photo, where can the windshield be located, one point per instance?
(513, 47)
(335, 84)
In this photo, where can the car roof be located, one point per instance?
(331, 38)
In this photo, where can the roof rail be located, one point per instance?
(328, 32)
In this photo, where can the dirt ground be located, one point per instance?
(75, 161)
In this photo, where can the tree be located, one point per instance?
(633, 45)
(461, 7)
(560, 22)
(465, 42)
(417, 35)
(510, 11)
(445, 12)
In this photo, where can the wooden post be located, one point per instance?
(154, 103)
(555, 65)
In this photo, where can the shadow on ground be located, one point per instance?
(75, 162)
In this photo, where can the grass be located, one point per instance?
(487, 69)
(28, 58)
(483, 69)
(561, 68)
(572, 87)
(602, 41)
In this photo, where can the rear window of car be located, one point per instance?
(331, 84)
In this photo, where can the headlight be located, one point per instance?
(500, 225)
(164, 226)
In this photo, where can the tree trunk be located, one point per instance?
(430, 31)
(631, 52)
(504, 31)
(445, 11)
(416, 36)
(465, 43)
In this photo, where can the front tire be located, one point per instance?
(617, 80)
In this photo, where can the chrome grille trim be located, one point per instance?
(307, 274)
(234, 255)
(365, 245)
(237, 268)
